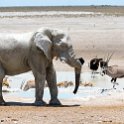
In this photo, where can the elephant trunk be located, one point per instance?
(77, 79)
(77, 64)
(77, 68)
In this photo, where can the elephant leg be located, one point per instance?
(39, 92)
(38, 66)
(40, 77)
(52, 83)
(2, 75)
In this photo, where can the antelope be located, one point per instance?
(114, 72)
(94, 63)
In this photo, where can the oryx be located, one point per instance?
(114, 71)
(96, 62)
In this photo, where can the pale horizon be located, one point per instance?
(16, 3)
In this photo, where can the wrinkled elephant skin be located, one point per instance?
(35, 51)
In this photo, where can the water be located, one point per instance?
(46, 13)
(84, 93)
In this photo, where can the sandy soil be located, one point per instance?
(62, 115)
(91, 36)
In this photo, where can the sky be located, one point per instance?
(59, 2)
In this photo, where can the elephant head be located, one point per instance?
(55, 43)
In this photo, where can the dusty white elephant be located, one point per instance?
(34, 51)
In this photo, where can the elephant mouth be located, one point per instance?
(63, 59)
(73, 62)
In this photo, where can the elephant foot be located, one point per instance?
(54, 102)
(2, 103)
(40, 103)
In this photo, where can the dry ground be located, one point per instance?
(62, 115)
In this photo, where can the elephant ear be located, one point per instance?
(44, 44)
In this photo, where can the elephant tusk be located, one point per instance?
(56, 58)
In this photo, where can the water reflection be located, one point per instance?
(84, 93)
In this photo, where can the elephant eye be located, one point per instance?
(38, 49)
(68, 38)
(64, 45)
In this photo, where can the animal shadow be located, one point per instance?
(32, 104)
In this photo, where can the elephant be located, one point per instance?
(35, 51)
